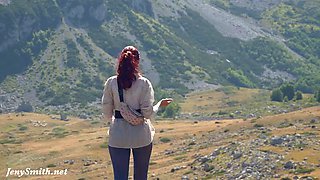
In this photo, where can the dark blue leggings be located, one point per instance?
(120, 158)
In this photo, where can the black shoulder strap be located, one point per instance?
(120, 91)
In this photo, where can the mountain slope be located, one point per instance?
(57, 52)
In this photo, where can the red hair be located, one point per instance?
(128, 66)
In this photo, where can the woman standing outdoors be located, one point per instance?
(123, 137)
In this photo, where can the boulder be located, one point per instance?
(63, 117)
(289, 165)
(237, 155)
(184, 177)
(276, 141)
(207, 167)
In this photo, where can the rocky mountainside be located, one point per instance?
(57, 53)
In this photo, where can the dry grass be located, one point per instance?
(37, 148)
(218, 100)
(228, 100)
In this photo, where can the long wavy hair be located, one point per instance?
(128, 66)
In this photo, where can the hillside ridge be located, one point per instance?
(53, 55)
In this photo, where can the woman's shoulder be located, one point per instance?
(144, 79)
(145, 82)
(112, 77)
(110, 80)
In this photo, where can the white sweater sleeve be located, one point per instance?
(147, 100)
(107, 102)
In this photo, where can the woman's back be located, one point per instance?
(138, 96)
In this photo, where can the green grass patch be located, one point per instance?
(18, 152)
(253, 121)
(165, 139)
(152, 163)
(286, 178)
(95, 122)
(104, 145)
(303, 171)
(188, 172)
(207, 177)
(23, 128)
(309, 133)
(228, 90)
(180, 157)
(285, 125)
(257, 125)
(59, 132)
(300, 145)
(219, 173)
(9, 141)
(51, 153)
(51, 165)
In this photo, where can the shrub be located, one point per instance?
(257, 125)
(172, 110)
(317, 95)
(23, 128)
(51, 165)
(304, 170)
(277, 95)
(238, 78)
(165, 140)
(288, 91)
(299, 95)
(104, 145)
(59, 132)
(25, 107)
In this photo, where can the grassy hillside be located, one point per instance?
(298, 22)
(34, 140)
(19, 21)
(232, 102)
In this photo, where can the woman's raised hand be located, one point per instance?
(165, 102)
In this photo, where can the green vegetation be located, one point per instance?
(180, 158)
(73, 60)
(55, 50)
(303, 171)
(51, 165)
(25, 107)
(285, 92)
(277, 95)
(317, 95)
(165, 139)
(59, 132)
(257, 125)
(15, 59)
(23, 128)
(104, 145)
(172, 110)
(8, 141)
(299, 22)
(298, 95)
(219, 172)
(288, 91)
(238, 78)
(233, 102)
(286, 178)
(244, 11)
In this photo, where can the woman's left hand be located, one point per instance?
(165, 102)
